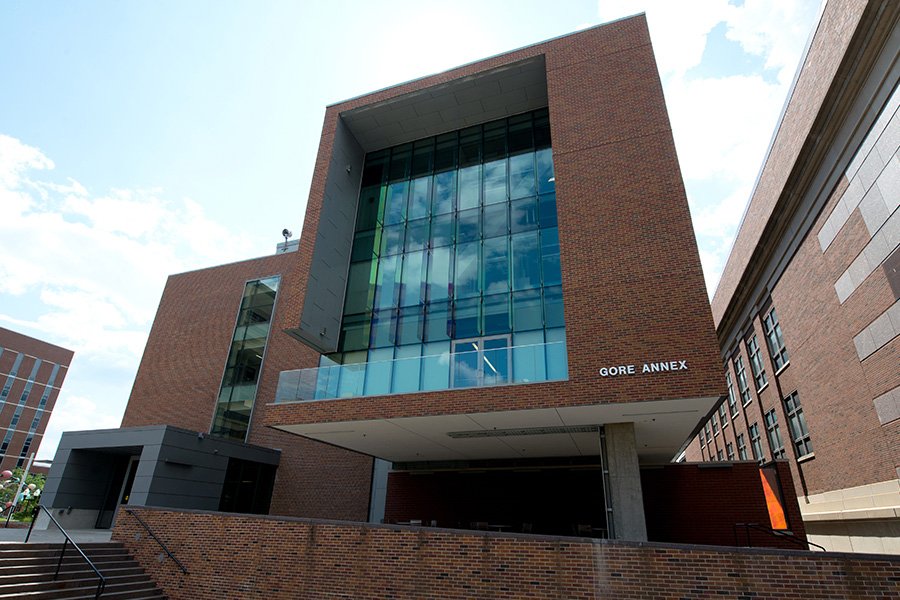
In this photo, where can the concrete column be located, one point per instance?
(625, 495)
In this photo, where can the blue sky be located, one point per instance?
(139, 139)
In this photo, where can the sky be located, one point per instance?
(141, 139)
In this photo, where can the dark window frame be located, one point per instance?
(754, 353)
(775, 340)
(797, 426)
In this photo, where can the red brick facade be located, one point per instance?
(14, 344)
(280, 558)
(699, 504)
(628, 255)
(180, 373)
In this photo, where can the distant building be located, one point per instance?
(808, 309)
(32, 373)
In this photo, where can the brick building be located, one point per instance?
(495, 317)
(487, 256)
(32, 372)
(807, 311)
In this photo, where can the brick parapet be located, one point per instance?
(239, 556)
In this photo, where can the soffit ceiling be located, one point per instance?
(494, 94)
(661, 427)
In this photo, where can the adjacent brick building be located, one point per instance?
(807, 310)
(32, 373)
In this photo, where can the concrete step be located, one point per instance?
(27, 572)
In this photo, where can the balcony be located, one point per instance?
(472, 363)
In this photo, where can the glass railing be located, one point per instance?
(486, 367)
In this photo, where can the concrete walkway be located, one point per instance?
(52, 535)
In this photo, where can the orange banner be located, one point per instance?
(774, 501)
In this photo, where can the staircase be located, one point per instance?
(26, 572)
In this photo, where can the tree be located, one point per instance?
(9, 487)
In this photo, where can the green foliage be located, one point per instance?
(9, 487)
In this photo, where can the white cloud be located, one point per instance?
(678, 30)
(722, 124)
(774, 29)
(75, 413)
(86, 271)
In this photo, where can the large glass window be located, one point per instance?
(742, 447)
(773, 431)
(756, 442)
(743, 386)
(248, 346)
(456, 243)
(797, 425)
(775, 340)
(732, 401)
(759, 372)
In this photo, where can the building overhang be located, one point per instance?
(496, 93)
(661, 427)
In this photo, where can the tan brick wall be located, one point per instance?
(231, 556)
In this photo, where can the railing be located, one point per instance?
(158, 541)
(101, 584)
(773, 532)
(448, 370)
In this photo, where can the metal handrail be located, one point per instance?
(101, 585)
(158, 541)
(773, 532)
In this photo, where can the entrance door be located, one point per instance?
(481, 361)
(119, 468)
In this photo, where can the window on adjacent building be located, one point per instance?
(708, 434)
(715, 424)
(729, 450)
(732, 400)
(797, 425)
(775, 340)
(756, 442)
(702, 439)
(743, 386)
(742, 446)
(719, 455)
(756, 365)
(723, 415)
(774, 434)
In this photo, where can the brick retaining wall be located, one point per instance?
(241, 556)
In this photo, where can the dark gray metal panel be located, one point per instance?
(83, 483)
(123, 438)
(320, 322)
(177, 468)
(182, 444)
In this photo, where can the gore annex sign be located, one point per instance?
(648, 367)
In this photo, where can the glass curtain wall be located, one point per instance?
(455, 277)
(248, 346)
